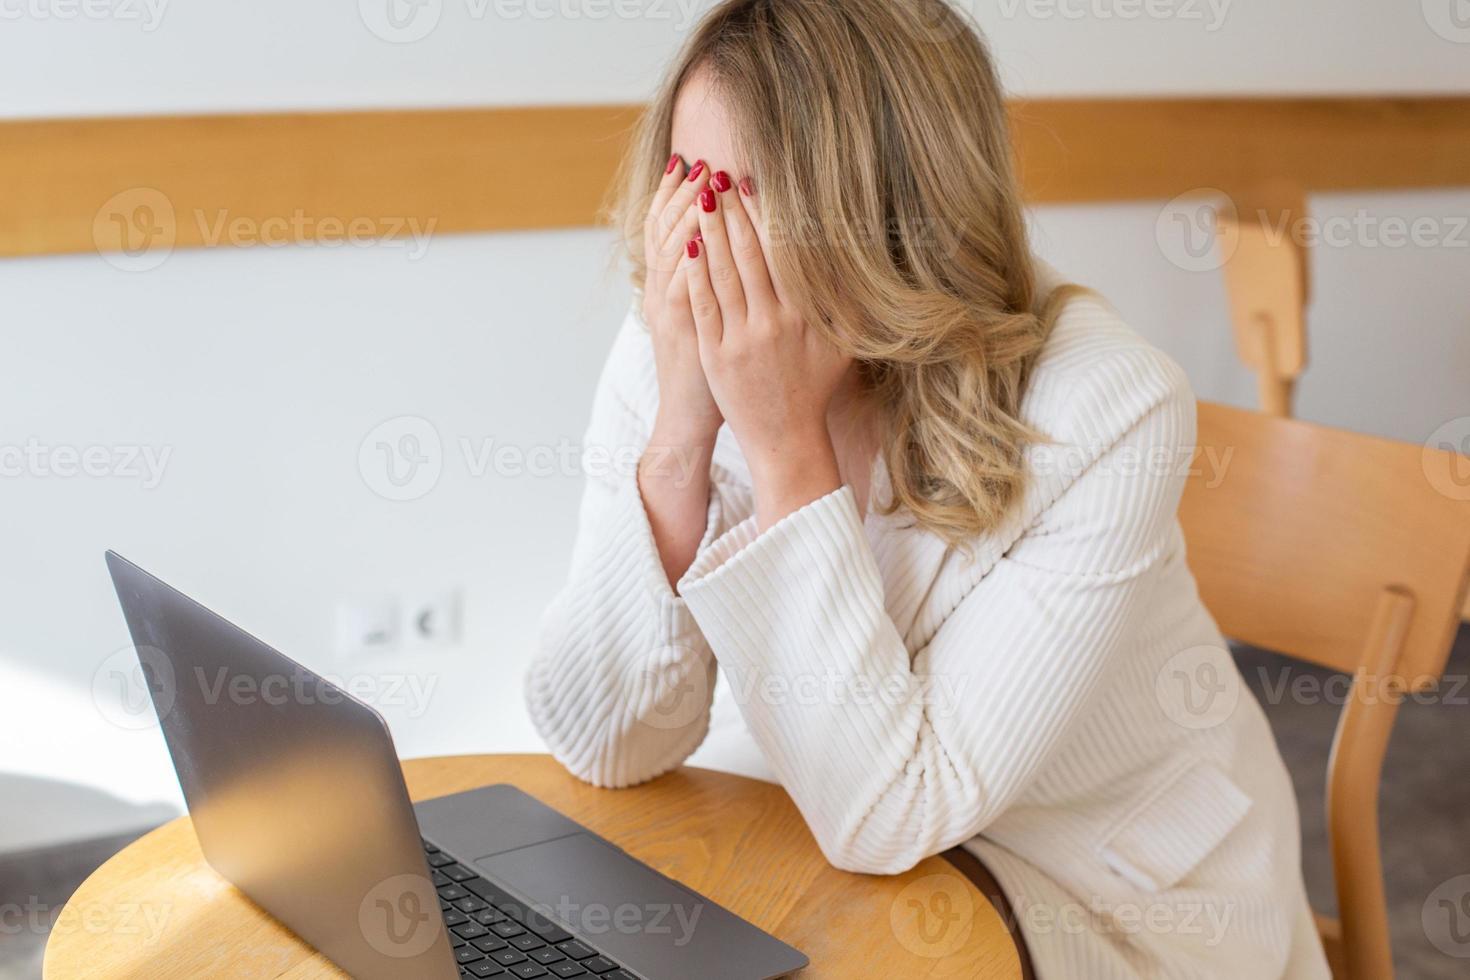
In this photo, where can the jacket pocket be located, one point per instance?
(1174, 826)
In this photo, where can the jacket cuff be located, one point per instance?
(676, 624)
(748, 586)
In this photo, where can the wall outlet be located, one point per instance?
(432, 619)
(367, 626)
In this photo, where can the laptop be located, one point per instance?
(296, 795)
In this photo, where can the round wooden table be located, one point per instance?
(157, 911)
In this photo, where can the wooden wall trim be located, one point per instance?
(83, 184)
(1078, 150)
(200, 180)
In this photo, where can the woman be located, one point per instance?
(913, 501)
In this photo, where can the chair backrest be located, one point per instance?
(1294, 530)
(1353, 553)
(1267, 278)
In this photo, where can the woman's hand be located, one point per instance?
(673, 476)
(687, 413)
(772, 376)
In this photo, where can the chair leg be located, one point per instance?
(1331, 932)
(974, 869)
(1353, 777)
(1276, 395)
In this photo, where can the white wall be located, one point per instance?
(1388, 322)
(213, 55)
(261, 371)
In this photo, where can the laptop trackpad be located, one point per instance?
(636, 915)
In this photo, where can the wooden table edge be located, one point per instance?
(985, 918)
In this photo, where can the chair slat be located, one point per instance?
(1294, 529)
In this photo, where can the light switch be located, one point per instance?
(432, 619)
(368, 626)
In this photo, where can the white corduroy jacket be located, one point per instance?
(1057, 699)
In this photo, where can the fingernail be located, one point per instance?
(698, 169)
(673, 163)
(707, 200)
(747, 187)
(720, 181)
(693, 248)
(699, 236)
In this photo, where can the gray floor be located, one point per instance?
(1425, 820)
(34, 885)
(1425, 811)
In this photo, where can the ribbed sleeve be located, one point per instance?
(893, 758)
(1031, 694)
(621, 686)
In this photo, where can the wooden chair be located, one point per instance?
(1267, 279)
(1337, 549)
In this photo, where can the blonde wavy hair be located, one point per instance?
(876, 133)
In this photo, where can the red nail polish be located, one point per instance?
(673, 162)
(698, 169)
(747, 187)
(693, 248)
(707, 200)
(720, 181)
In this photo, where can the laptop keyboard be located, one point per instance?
(495, 935)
